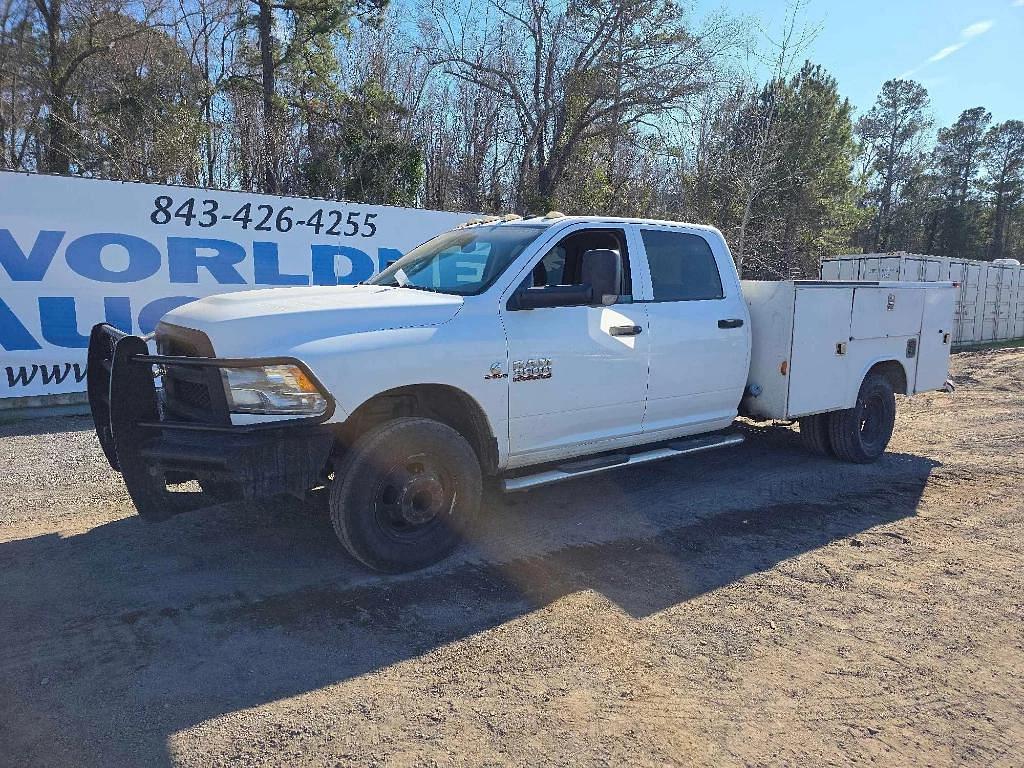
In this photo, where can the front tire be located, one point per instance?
(220, 491)
(861, 434)
(405, 494)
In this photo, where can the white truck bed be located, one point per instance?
(813, 341)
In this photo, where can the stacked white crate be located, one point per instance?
(1018, 308)
(970, 299)
(990, 300)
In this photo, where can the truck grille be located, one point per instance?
(191, 393)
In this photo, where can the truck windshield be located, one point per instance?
(465, 261)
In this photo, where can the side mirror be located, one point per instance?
(552, 296)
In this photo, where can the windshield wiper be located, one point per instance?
(412, 287)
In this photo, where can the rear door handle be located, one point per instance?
(625, 330)
(733, 322)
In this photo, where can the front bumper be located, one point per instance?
(158, 445)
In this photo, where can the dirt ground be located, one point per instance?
(752, 606)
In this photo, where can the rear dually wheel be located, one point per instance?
(814, 431)
(861, 434)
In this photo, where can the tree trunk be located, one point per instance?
(933, 226)
(57, 157)
(545, 175)
(58, 129)
(788, 248)
(742, 240)
(996, 247)
(882, 224)
(884, 215)
(208, 94)
(270, 123)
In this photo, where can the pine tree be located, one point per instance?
(957, 159)
(892, 133)
(806, 208)
(1003, 154)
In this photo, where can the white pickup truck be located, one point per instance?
(526, 351)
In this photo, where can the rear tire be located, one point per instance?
(814, 431)
(861, 434)
(405, 494)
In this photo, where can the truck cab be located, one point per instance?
(526, 350)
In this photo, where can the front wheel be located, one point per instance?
(405, 494)
(220, 491)
(861, 434)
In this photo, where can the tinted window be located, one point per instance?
(682, 266)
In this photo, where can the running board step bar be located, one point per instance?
(591, 466)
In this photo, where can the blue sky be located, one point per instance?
(967, 53)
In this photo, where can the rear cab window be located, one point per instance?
(682, 266)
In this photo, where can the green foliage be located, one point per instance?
(961, 198)
(892, 133)
(1003, 186)
(957, 160)
(136, 115)
(795, 137)
(360, 152)
(816, 200)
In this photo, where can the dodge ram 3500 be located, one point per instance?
(526, 351)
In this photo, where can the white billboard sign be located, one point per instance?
(74, 252)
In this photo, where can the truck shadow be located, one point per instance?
(120, 637)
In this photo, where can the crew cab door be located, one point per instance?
(699, 330)
(577, 373)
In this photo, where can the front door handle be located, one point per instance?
(733, 322)
(625, 330)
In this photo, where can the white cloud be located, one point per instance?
(967, 34)
(979, 27)
(949, 49)
(1018, 3)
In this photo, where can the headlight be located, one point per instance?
(272, 389)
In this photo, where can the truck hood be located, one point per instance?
(275, 320)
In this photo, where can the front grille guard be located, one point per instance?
(127, 408)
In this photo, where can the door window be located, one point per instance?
(561, 265)
(682, 266)
(551, 269)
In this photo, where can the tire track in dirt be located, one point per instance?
(747, 606)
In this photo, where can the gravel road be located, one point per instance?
(751, 606)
